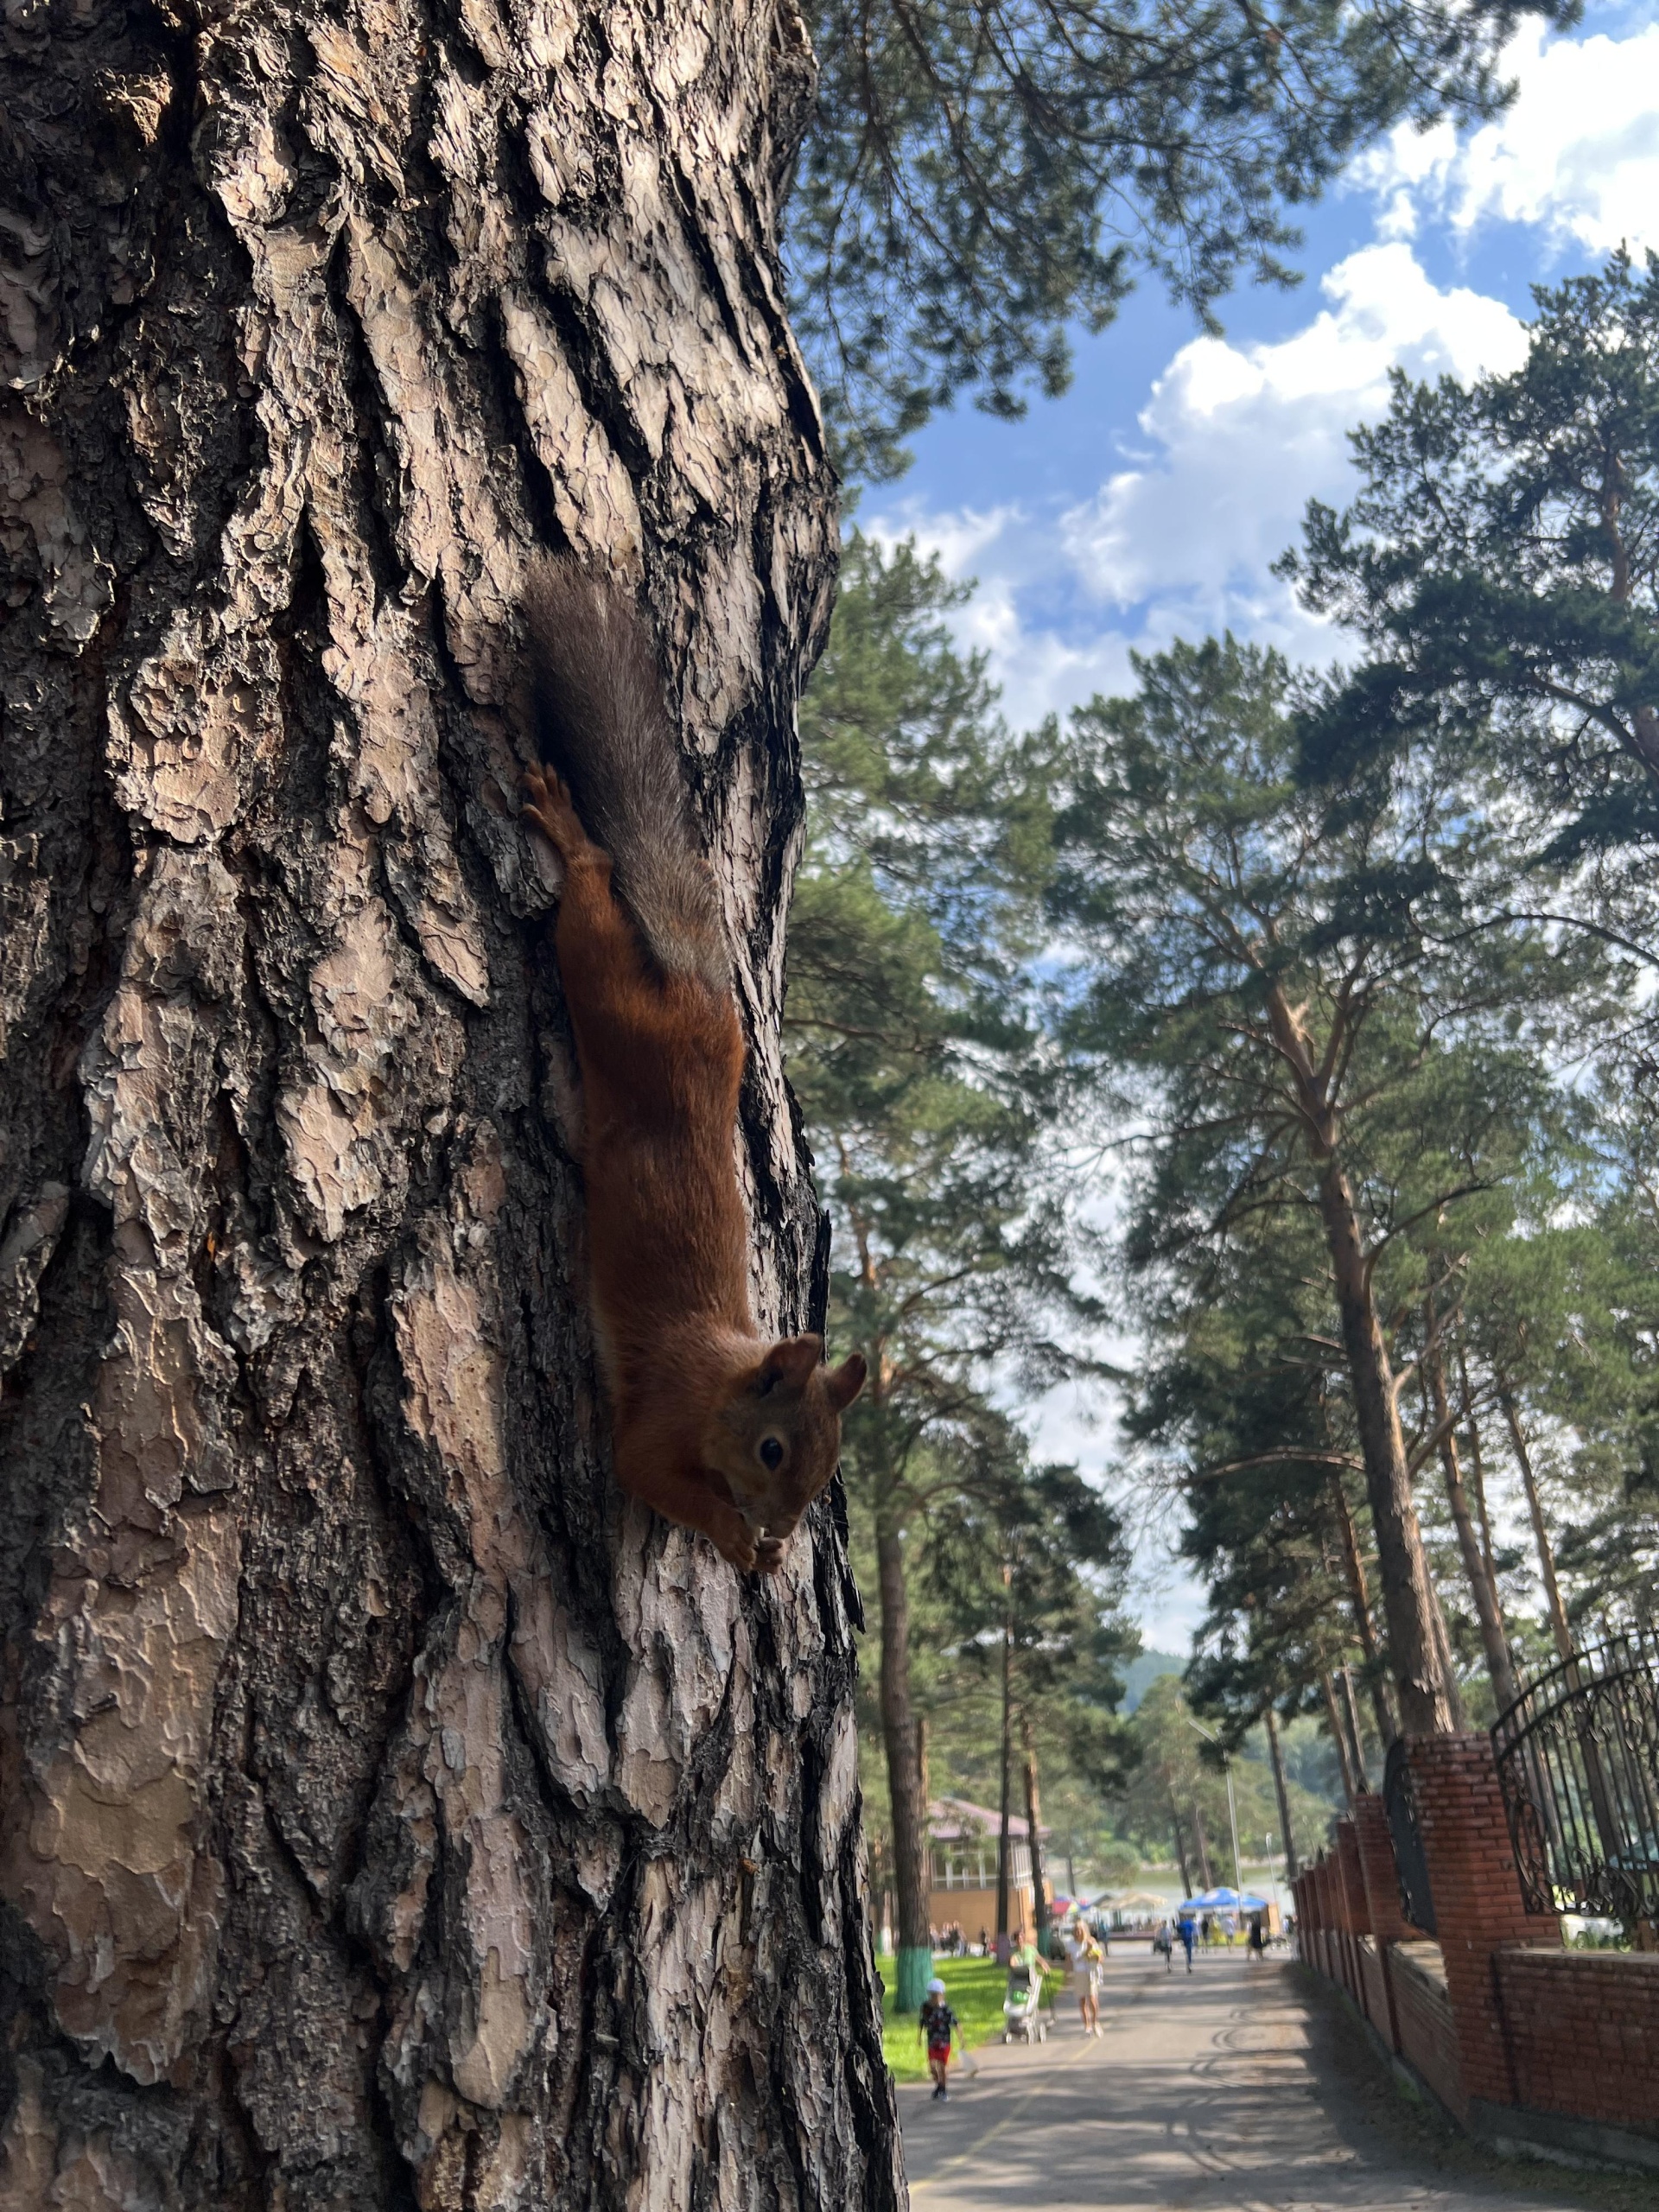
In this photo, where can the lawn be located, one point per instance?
(974, 1988)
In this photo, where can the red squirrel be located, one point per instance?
(712, 1425)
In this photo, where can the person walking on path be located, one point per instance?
(1164, 1943)
(1085, 1964)
(937, 2024)
(1258, 1940)
(1187, 1932)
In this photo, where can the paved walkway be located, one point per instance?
(1207, 2094)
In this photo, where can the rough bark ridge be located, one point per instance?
(392, 1815)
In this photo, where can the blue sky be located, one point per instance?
(1151, 500)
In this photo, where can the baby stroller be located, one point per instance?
(1022, 2012)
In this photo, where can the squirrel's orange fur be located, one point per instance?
(712, 1425)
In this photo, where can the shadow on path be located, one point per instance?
(1236, 2089)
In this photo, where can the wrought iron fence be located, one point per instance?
(1577, 1756)
(1400, 1803)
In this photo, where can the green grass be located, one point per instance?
(973, 1988)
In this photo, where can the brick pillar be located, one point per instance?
(1377, 1870)
(1476, 1893)
(1353, 1882)
(1322, 1913)
(1354, 1918)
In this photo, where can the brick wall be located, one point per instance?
(1496, 2008)
(1478, 1902)
(1583, 2029)
(1428, 2028)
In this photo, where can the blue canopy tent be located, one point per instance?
(1222, 1900)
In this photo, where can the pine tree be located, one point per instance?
(977, 180)
(1293, 983)
(1501, 564)
(926, 1091)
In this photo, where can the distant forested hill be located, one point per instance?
(1141, 1672)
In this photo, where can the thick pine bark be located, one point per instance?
(391, 1814)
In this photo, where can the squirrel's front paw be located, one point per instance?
(548, 804)
(769, 1555)
(733, 1542)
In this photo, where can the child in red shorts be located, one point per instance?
(936, 2025)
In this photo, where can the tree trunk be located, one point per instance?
(1034, 1838)
(906, 1789)
(1558, 1621)
(392, 1815)
(1407, 1598)
(1359, 1596)
(1281, 1790)
(1356, 1734)
(1180, 1847)
(1339, 1738)
(1448, 1667)
(1201, 1843)
(1004, 1883)
(1474, 1566)
(1478, 1474)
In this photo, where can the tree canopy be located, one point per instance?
(979, 180)
(1500, 565)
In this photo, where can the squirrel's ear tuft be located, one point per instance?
(792, 1360)
(844, 1382)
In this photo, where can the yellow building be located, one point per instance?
(962, 1868)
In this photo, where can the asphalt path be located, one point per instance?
(1233, 2089)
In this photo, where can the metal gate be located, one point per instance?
(1578, 1757)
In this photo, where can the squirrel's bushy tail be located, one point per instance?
(596, 697)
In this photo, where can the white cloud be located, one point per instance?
(1577, 154)
(1241, 438)
(1233, 440)
(1016, 560)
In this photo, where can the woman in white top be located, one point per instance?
(1086, 1954)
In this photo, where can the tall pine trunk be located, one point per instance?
(1281, 1791)
(1560, 1627)
(392, 1815)
(1201, 1843)
(906, 1789)
(1034, 1832)
(1407, 1595)
(1181, 1844)
(1481, 1588)
(1360, 1598)
(1338, 1726)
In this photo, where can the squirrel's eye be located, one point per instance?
(771, 1453)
